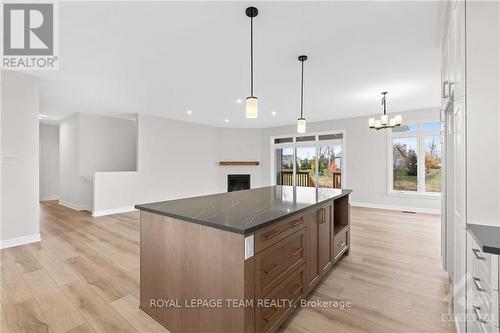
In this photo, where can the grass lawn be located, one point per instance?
(433, 180)
(403, 182)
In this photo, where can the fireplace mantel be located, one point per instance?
(239, 163)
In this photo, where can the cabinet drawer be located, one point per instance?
(275, 263)
(340, 242)
(270, 317)
(481, 319)
(273, 233)
(482, 265)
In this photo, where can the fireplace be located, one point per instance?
(238, 182)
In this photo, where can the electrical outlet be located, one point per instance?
(249, 247)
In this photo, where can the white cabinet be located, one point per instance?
(454, 119)
(482, 289)
(470, 76)
(483, 112)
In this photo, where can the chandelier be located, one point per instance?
(384, 121)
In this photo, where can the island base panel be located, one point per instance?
(182, 262)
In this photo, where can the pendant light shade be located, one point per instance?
(251, 107)
(301, 125)
(301, 122)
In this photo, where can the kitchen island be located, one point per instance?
(239, 261)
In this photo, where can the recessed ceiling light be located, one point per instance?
(226, 120)
(239, 101)
(189, 111)
(42, 116)
(273, 113)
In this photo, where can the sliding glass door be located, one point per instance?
(305, 161)
(310, 161)
(284, 166)
(330, 165)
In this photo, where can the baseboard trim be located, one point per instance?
(120, 210)
(11, 242)
(70, 205)
(399, 208)
(49, 198)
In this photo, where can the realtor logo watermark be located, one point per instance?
(30, 36)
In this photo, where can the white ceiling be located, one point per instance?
(164, 58)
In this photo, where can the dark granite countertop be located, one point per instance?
(244, 211)
(487, 236)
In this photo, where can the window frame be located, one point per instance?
(420, 134)
(316, 143)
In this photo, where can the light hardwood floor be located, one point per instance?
(84, 277)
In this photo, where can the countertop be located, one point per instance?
(244, 211)
(487, 236)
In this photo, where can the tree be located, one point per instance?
(411, 163)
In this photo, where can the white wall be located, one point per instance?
(366, 160)
(20, 174)
(106, 144)
(176, 159)
(238, 145)
(70, 183)
(89, 144)
(49, 162)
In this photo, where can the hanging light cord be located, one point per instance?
(251, 56)
(384, 103)
(302, 92)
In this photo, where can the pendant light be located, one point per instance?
(384, 121)
(301, 122)
(251, 108)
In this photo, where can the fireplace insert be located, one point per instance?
(238, 182)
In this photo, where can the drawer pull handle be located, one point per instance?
(478, 285)
(476, 253)
(271, 234)
(273, 268)
(268, 318)
(296, 223)
(297, 289)
(341, 244)
(297, 252)
(443, 89)
(476, 312)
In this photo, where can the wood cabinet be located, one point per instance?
(185, 261)
(275, 263)
(313, 270)
(319, 230)
(269, 319)
(325, 237)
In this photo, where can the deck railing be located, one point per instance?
(304, 178)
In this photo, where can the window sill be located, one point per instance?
(402, 194)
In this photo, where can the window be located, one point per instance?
(416, 158)
(432, 163)
(404, 164)
(311, 161)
